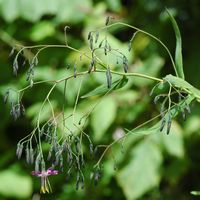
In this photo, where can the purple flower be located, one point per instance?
(45, 184)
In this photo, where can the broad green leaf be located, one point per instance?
(183, 85)
(103, 116)
(46, 111)
(114, 5)
(13, 96)
(72, 11)
(102, 89)
(142, 173)
(146, 131)
(9, 9)
(192, 125)
(64, 10)
(150, 66)
(30, 10)
(173, 144)
(72, 121)
(15, 185)
(196, 193)
(178, 52)
(42, 30)
(155, 128)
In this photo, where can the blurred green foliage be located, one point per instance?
(153, 166)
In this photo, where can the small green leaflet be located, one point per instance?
(178, 52)
(102, 89)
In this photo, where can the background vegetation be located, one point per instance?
(151, 167)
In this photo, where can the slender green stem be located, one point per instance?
(132, 74)
(76, 101)
(93, 71)
(115, 141)
(148, 34)
(38, 120)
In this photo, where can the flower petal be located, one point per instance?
(35, 173)
(51, 171)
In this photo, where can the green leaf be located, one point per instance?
(72, 121)
(72, 11)
(182, 84)
(155, 128)
(46, 112)
(173, 144)
(142, 173)
(103, 116)
(102, 89)
(15, 185)
(114, 5)
(196, 193)
(192, 125)
(150, 66)
(31, 10)
(42, 30)
(178, 52)
(9, 10)
(64, 10)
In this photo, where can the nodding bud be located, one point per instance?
(100, 44)
(169, 122)
(28, 155)
(15, 67)
(19, 150)
(96, 37)
(89, 35)
(107, 20)
(109, 77)
(75, 70)
(50, 153)
(156, 99)
(5, 99)
(187, 108)
(162, 124)
(183, 114)
(23, 64)
(31, 156)
(97, 176)
(91, 149)
(11, 52)
(91, 42)
(125, 64)
(92, 64)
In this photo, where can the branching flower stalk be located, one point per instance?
(66, 144)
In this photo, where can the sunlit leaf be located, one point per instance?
(102, 89)
(173, 144)
(42, 30)
(103, 116)
(150, 66)
(45, 113)
(196, 193)
(9, 9)
(15, 185)
(142, 173)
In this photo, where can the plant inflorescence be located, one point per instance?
(53, 144)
